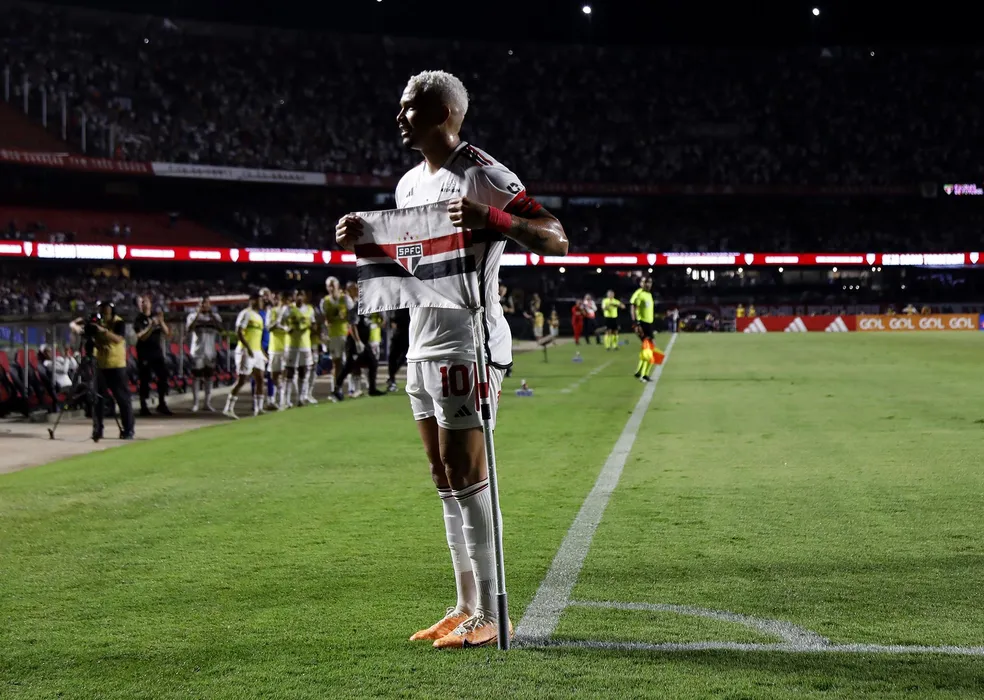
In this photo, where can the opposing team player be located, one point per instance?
(335, 310)
(204, 324)
(251, 360)
(488, 199)
(641, 309)
(609, 309)
(277, 317)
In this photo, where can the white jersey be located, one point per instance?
(445, 334)
(203, 337)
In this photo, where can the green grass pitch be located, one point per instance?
(834, 481)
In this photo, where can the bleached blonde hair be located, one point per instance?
(448, 88)
(330, 280)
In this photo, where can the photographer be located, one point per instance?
(106, 333)
(151, 331)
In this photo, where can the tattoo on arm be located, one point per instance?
(542, 233)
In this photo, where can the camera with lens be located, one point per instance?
(90, 330)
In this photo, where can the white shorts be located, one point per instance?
(374, 349)
(537, 332)
(448, 391)
(203, 360)
(277, 361)
(298, 357)
(247, 363)
(336, 347)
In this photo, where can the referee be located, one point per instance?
(641, 308)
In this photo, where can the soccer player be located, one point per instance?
(609, 309)
(554, 324)
(641, 309)
(277, 319)
(268, 303)
(335, 308)
(487, 198)
(204, 324)
(298, 356)
(535, 316)
(251, 360)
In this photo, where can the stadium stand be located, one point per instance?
(212, 94)
(56, 225)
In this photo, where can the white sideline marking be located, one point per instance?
(586, 377)
(541, 617)
(787, 631)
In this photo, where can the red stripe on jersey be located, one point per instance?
(478, 156)
(522, 205)
(432, 246)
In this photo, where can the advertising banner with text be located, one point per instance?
(929, 322)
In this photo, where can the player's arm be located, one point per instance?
(632, 308)
(538, 231)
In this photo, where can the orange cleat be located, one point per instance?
(476, 631)
(442, 627)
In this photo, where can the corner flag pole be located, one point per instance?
(502, 605)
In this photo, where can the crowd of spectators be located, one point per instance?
(303, 101)
(25, 294)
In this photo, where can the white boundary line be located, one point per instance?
(586, 377)
(553, 596)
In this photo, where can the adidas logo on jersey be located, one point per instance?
(838, 326)
(756, 326)
(797, 326)
(462, 412)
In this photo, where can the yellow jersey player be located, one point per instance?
(554, 324)
(609, 309)
(251, 361)
(642, 308)
(335, 310)
(278, 341)
(298, 358)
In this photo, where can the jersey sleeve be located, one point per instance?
(190, 320)
(634, 300)
(501, 188)
(242, 320)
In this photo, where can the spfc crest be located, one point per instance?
(409, 256)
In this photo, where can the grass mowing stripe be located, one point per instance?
(541, 617)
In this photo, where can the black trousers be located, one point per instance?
(367, 360)
(114, 381)
(399, 346)
(589, 330)
(150, 368)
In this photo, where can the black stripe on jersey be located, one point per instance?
(475, 157)
(478, 156)
(423, 271)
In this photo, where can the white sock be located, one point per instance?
(194, 389)
(476, 518)
(276, 394)
(207, 381)
(305, 385)
(349, 384)
(257, 403)
(293, 389)
(231, 402)
(464, 579)
(331, 382)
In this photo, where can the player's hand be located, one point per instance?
(465, 213)
(347, 231)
